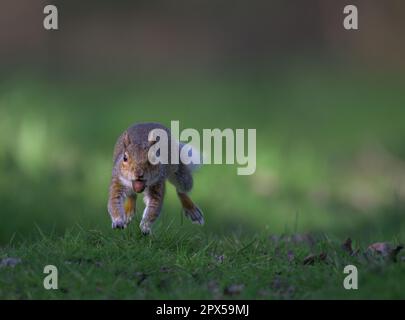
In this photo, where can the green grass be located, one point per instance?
(176, 263)
(330, 161)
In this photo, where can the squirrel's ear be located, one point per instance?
(125, 139)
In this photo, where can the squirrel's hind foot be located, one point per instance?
(195, 214)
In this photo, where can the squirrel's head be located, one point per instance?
(135, 170)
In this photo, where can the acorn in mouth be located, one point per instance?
(138, 185)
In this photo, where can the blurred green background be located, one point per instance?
(328, 106)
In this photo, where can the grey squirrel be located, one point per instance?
(133, 173)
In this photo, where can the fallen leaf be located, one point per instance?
(347, 246)
(382, 248)
(323, 256)
(310, 259)
(385, 249)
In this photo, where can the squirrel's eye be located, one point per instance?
(125, 157)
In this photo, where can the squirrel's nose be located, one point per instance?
(139, 175)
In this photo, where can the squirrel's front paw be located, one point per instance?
(119, 224)
(145, 227)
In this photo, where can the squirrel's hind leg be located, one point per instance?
(190, 209)
(183, 181)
